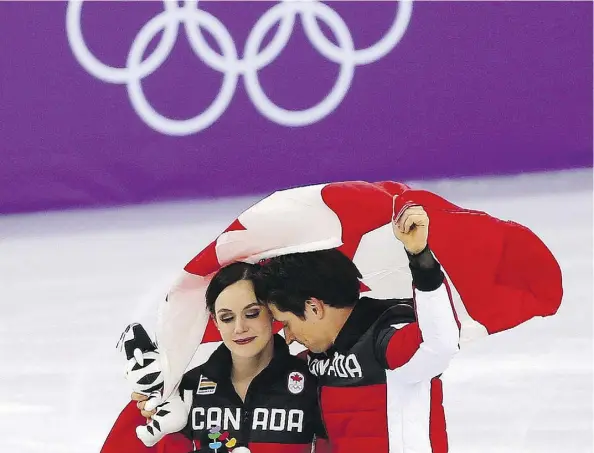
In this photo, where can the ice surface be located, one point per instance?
(71, 281)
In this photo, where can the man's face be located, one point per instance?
(310, 332)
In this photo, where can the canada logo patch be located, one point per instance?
(296, 382)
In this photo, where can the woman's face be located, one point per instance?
(245, 325)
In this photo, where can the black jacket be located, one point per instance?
(280, 412)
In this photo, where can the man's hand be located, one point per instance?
(411, 228)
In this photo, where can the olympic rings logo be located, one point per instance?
(228, 62)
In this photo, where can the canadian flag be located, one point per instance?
(501, 273)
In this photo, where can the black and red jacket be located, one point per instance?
(380, 389)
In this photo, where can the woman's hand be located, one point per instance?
(140, 402)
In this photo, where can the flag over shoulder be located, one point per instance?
(502, 273)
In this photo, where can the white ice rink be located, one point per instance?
(70, 282)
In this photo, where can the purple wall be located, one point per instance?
(471, 88)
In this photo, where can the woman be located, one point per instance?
(251, 392)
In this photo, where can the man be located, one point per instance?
(377, 362)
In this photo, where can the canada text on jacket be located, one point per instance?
(340, 365)
(263, 420)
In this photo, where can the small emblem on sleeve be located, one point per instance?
(206, 386)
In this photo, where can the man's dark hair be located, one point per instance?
(225, 277)
(288, 281)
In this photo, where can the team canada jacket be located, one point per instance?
(280, 412)
(380, 390)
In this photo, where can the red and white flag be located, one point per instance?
(502, 273)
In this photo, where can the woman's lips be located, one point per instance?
(244, 340)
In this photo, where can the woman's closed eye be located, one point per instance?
(251, 314)
(226, 318)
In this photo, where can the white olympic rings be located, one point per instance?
(229, 63)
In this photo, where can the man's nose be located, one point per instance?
(289, 337)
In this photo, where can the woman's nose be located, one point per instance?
(240, 325)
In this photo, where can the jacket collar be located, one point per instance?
(218, 366)
(365, 314)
